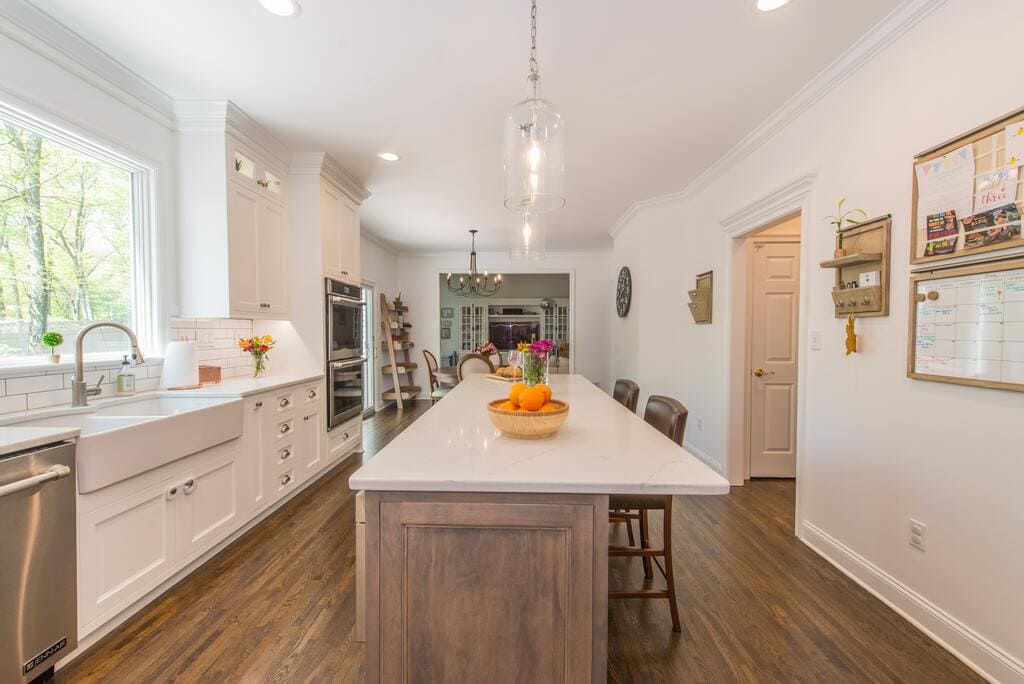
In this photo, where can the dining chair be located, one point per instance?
(437, 390)
(473, 364)
(668, 416)
(627, 393)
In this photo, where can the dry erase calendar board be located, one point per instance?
(967, 325)
(968, 193)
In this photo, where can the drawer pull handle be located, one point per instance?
(172, 492)
(285, 403)
(285, 428)
(259, 404)
(264, 306)
(345, 436)
(312, 394)
(285, 454)
(189, 486)
(285, 479)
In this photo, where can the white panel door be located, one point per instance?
(127, 548)
(313, 452)
(273, 259)
(775, 308)
(243, 254)
(210, 501)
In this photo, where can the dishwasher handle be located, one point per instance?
(54, 472)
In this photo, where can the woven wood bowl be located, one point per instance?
(527, 424)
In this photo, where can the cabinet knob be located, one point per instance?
(312, 394)
(344, 273)
(285, 479)
(189, 486)
(285, 428)
(345, 436)
(172, 492)
(286, 454)
(284, 402)
(259, 404)
(305, 417)
(264, 306)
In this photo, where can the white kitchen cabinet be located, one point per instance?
(252, 454)
(127, 547)
(234, 233)
(339, 234)
(312, 440)
(344, 439)
(210, 494)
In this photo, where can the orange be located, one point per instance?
(545, 389)
(531, 399)
(514, 391)
(550, 407)
(507, 406)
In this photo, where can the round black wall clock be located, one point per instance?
(624, 292)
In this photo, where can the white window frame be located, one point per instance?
(143, 265)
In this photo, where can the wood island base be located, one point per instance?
(486, 587)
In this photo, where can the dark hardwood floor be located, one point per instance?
(756, 604)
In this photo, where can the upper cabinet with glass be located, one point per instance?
(234, 237)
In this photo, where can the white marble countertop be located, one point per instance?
(14, 439)
(243, 387)
(601, 449)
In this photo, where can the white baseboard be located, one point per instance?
(704, 456)
(981, 655)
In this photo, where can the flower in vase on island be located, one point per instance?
(534, 358)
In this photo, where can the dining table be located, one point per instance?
(486, 555)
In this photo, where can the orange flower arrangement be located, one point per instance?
(257, 346)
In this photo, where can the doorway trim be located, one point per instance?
(784, 202)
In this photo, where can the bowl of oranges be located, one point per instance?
(528, 413)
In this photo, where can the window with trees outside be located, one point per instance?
(68, 232)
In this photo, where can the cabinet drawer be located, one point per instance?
(284, 456)
(312, 394)
(286, 481)
(344, 438)
(283, 430)
(284, 401)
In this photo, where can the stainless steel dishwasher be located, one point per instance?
(38, 550)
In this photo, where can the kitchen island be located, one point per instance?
(487, 556)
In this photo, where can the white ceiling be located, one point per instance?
(652, 91)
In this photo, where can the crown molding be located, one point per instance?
(224, 116)
(894, 25)
(37, 31)
(321, 163)
(776, 205)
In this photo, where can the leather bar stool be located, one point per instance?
(669, 417)
(627, 393)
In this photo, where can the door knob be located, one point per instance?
(761, 372)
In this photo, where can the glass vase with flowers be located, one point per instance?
(534, 358)
(258, 346)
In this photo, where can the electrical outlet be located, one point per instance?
(700, 424)
(204, 339)
(816, 340)
(918, 530)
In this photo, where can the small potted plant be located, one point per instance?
(53, 339)
(839, 221)
(398, 302)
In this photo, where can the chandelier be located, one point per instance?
(534, 145)
(473, 283)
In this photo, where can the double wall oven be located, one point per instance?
(346, 352)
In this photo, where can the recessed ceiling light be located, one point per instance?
(389, 156)
(769, 5)
(282, 8)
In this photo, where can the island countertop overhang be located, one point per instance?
(602, 449)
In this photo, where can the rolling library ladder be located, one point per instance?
(396, 339)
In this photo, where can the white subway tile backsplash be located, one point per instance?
(43, 399)
(36, 383)
(12, 404)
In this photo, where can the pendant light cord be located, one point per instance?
(534, 69)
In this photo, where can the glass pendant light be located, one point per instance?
(526, 235)
(534, 145)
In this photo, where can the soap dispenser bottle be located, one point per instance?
(125, 379)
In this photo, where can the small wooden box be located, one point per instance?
(209, 375)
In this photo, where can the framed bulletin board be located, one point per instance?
(968, 193)
(967, 325)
